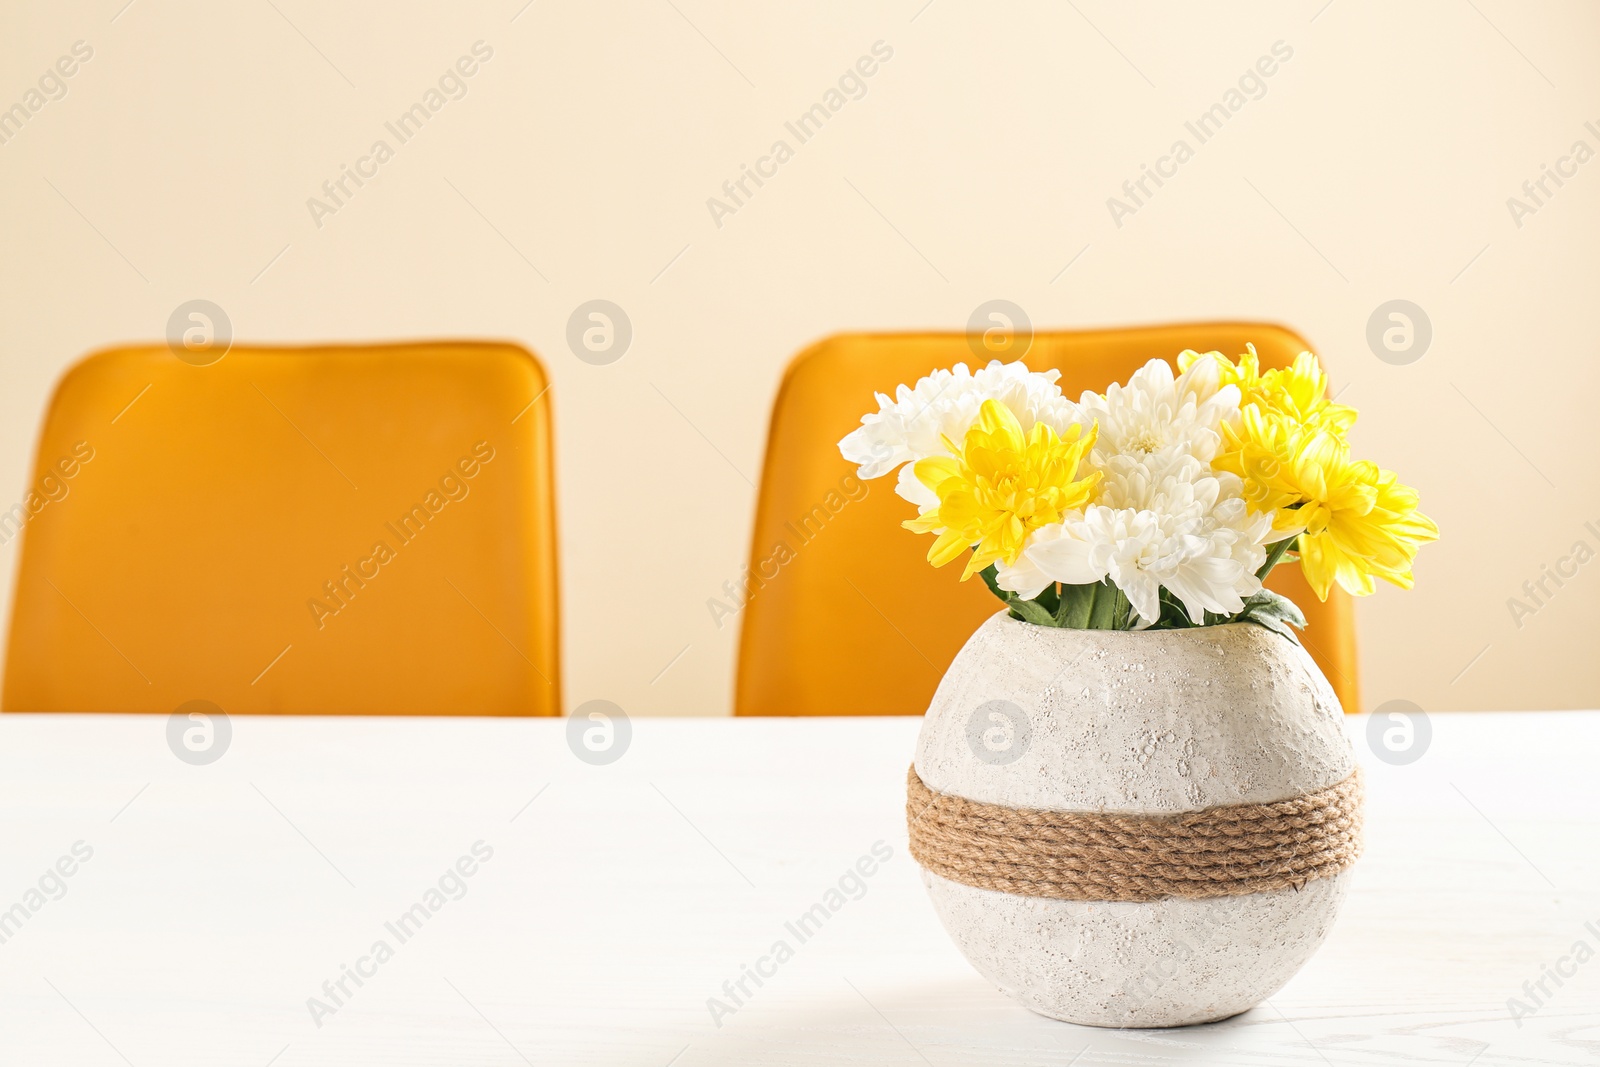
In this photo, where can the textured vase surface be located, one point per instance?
(1152, 723)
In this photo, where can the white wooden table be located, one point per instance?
(619, 898)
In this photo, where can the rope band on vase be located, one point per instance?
(1225, 851)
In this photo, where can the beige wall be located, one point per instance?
(1375, 165)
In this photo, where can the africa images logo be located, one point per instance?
(453, 486)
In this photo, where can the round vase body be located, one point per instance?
(1153, 723)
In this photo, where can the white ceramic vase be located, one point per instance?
(1156, 722)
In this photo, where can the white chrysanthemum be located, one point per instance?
(914, 424)
(1162, 519)
(1157, 417)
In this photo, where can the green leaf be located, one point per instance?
(1032, 611)
(1024, 610)
(1274, 611)
(1102, 606)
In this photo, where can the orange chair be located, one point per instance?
(846, 617)
(364, 529)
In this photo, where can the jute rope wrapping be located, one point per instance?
(1068, 855)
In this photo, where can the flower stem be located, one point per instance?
(990, 576)
(1275, 556)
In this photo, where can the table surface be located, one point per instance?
(217, 900)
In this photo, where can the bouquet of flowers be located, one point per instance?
(1160, 503)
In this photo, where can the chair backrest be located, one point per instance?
(363, 529)
(845, 615)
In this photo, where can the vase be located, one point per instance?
(1093, 777)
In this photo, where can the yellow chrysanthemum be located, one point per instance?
(1365, 526)
(999, 486)
(1290, 447)
(1246, 373)
(1299, 392)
